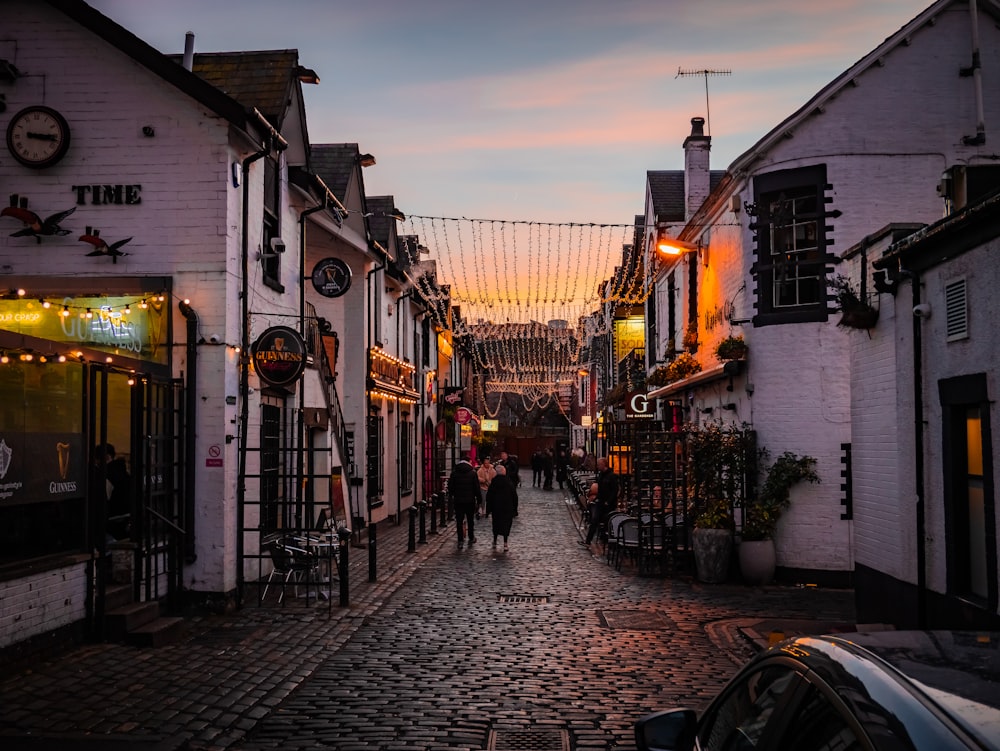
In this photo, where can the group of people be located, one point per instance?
(545, 463)
(490, 490)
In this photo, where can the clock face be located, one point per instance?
(38, 136)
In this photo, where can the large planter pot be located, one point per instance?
(712, 551)
(757, 561)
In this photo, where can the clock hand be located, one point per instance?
(43, 136)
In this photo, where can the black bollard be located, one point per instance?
(433, 511)
(411, 540)
(371, 552)
(443, 506)
(344, 534)
(423, 522)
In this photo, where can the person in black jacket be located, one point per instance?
(501, 503)
(606, 501)
(463, 489)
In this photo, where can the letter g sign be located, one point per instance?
(639, 404)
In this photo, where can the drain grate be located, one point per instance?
(528, 740)
(635, 620)
(523, 598)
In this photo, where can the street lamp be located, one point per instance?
(670, 246)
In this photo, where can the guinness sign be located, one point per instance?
(331, 277)
(279, 356)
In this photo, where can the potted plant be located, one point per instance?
(712, 541)
(716, 472)
(761, 515)
(855, 313)
(731, 348)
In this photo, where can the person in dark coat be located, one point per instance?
(537, 465)
(463, 489)
(606, 501)
(562, 471)
(548, 464)
(501, 501)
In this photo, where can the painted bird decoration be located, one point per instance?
(101, 247)
(34, 225)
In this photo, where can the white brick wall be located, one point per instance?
(42, 602)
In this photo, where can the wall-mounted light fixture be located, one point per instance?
(670, 246)
(366, 160)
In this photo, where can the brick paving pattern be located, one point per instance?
(543, 647)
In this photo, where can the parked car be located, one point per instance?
(895, 690)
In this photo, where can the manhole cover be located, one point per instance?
(528, 740)
(635, 620)
(523, 598)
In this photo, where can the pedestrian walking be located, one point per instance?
(606, 501)
(548, 464)
(562, 471)
(466, 497)
(501, 502)
(486, 472)
(537, 464)
(509, 461)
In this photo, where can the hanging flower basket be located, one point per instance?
(731, 348)
(855, 312)
(860, 317)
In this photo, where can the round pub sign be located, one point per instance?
(331, 277)
(279, 355)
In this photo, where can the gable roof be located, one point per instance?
(156, 62)
(876, 57)
(666, 191)
(334, 162)
(261, 79)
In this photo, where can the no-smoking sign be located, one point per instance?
(214, 458)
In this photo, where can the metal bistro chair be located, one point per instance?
(628, 541)
(611, 530)
(292, 564)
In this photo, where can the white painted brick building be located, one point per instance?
(867, 150)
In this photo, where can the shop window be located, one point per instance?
(44, 462)
(791, 239)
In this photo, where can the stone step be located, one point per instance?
(156, 633)
(126, 618)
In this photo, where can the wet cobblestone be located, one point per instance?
(429, 657)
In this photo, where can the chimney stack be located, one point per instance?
(189, 51)
(697, 178)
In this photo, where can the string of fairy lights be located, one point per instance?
(530, 293)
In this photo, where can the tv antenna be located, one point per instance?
(706, 72)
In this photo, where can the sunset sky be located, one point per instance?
(534, 110)
(548, 110)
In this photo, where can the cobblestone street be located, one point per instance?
(542, 647)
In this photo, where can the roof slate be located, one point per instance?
(261, 79)
(333, 162)
(666, 189)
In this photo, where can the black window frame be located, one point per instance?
(792, 202)
(271, 224)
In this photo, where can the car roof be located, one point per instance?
(953, 674)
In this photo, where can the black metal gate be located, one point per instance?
(651, 463)
(158, 467)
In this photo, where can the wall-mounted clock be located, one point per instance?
(38, 136)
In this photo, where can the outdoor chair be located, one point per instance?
(291, 564)
(627, 542)
(611, 533)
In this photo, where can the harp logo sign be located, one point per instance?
(279, 356)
